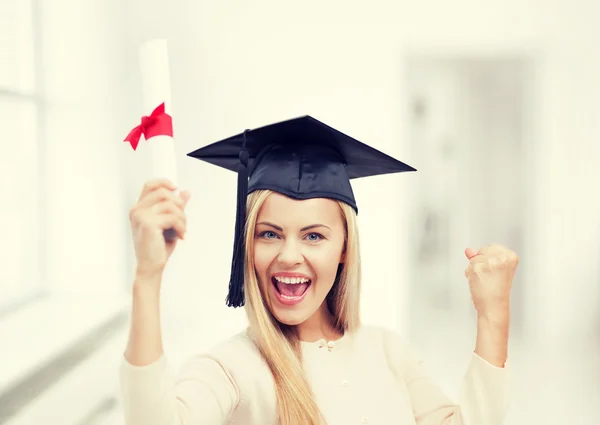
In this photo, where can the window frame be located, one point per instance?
(36, 99)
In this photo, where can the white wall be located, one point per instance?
(84, 197)
(236, 65)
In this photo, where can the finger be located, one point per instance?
(151, 221)
(470, 253)
(513, 258)
(501, 259)
(152, 185)
(168, 208)
(492, 249)
(482, 268)
(161, 195)
(479, 258)
(172, 221)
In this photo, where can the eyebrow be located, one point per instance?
(312, 226)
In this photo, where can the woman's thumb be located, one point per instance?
(470, 253)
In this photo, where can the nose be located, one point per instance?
(290, 254)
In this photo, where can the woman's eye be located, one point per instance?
(314, 237)
(268, 234)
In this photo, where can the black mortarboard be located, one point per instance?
(301, 158)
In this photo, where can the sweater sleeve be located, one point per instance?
(483, 398)
(202, 393)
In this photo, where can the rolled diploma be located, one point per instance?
(156, 89)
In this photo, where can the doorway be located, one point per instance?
(469, 125)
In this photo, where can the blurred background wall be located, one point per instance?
(494, 103)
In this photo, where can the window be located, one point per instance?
(20, 141)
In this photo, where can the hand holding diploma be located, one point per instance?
(157, 208)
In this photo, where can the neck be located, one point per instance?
(319, 325)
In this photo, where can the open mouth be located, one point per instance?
(290, 290)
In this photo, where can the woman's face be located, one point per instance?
(298, 246)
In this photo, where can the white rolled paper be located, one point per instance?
(156, 89)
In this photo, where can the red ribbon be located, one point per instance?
(158, 123)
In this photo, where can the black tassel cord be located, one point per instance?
(235, 297)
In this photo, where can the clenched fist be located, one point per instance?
(158, 208)
(490, 274)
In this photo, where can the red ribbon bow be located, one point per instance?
(158, 123)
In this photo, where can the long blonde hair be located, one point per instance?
(279, 344)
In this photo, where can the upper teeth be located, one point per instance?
(291, 280)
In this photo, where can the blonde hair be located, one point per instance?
(279, 344)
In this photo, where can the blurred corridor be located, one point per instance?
(495, 104)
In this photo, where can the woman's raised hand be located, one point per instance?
(159, 207)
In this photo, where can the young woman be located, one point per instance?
(305, 358)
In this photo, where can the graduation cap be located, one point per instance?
(301, 158)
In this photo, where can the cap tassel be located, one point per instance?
(235, 297)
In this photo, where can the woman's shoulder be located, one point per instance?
(238, 346)
(238, 355)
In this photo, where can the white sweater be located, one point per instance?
(370, 377)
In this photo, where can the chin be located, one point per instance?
(290, 318)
